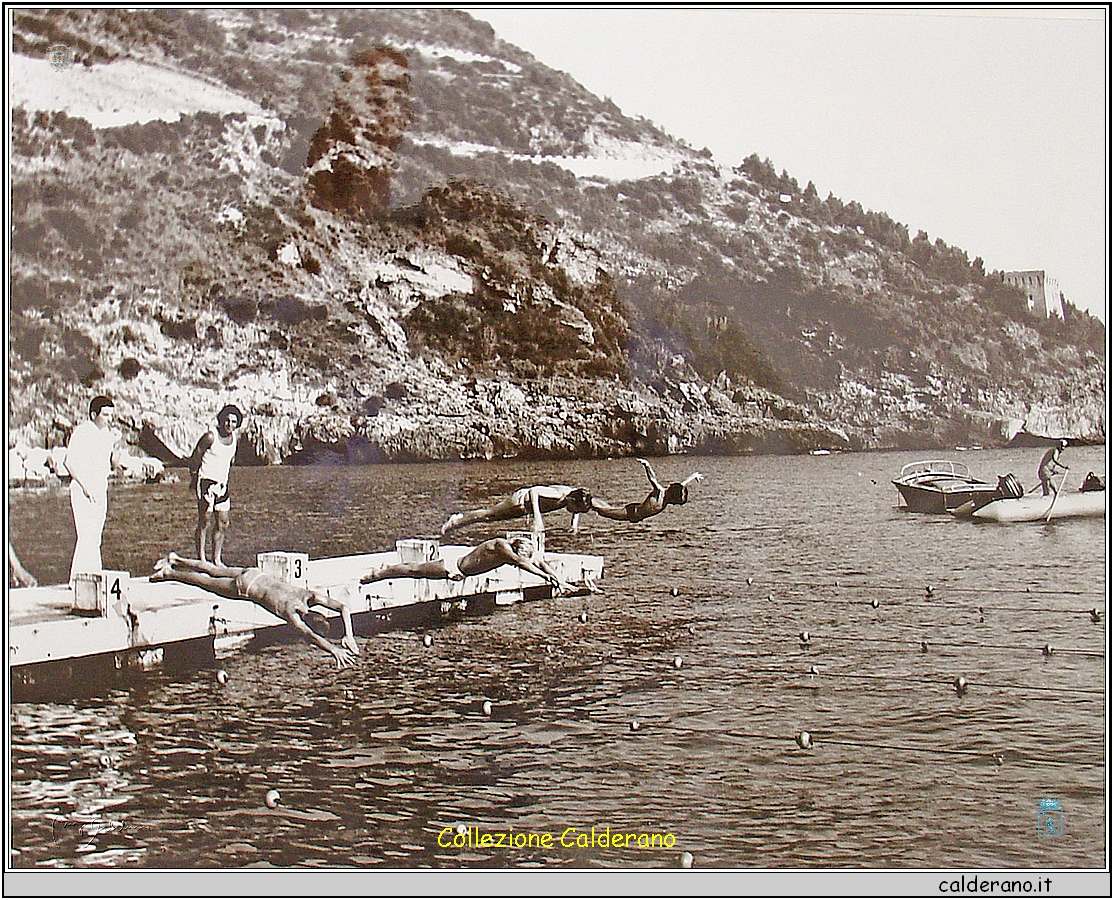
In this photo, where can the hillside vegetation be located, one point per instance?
(386, 256)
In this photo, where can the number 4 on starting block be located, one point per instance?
(99, 593)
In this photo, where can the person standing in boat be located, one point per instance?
(287, 601)
(1051, 466)
(656, 501)
(489, 555)
(210, 465)
(91, 455)
(531, 502)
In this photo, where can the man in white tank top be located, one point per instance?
(210, 464)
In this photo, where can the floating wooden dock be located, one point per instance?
(53, 651)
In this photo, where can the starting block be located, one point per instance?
(536, 539)
(284, 566)
(416, 550)
(100, 593)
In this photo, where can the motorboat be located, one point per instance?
(1037, 508)
(940, 486)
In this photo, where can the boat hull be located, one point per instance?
(943, 498)
(1068, 505)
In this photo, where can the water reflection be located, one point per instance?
(373, 763)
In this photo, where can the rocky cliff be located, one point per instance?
(387, 235)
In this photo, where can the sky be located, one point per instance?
(988, 129)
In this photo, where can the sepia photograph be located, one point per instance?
(557, 450)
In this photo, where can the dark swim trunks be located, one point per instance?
(214, 494)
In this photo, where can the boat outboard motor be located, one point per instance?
(1009, 487)
(1093, 482)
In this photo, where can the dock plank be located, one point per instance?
(43, 628)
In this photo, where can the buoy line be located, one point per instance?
(787, 599)
(808, 740)
(921, 589)
(831, 639)
(817, 677)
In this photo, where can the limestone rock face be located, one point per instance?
(352, 153)
(527, 273)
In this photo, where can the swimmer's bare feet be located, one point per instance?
(371, 576)
(453, 521)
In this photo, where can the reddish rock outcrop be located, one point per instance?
(352, 153)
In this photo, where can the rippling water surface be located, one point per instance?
(373, 762)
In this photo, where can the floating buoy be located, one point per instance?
(487, 708)
(686, 860)
(1046, 650)
(928, 590)
(674, 591)
(106, 761)
(814, 671)
(1095, 616)
(271, 799)
(750, 580)
(961, 685)
(634, 726)
(222, 676)
(427, 640)
(874, 603)
(677, 662)
(583, 618)
(924, 646)
(999, 760)
(548, 649)
(804, 740)
(462, 829)
(770, 598)
(805, 639)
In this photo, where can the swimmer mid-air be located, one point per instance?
(532, 501)
(657, 500)
(286, 601)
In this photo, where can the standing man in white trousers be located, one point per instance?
(90, 457)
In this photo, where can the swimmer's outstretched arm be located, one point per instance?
(528, 565)
(563, 586)
(657, 485)
(539, 524)
(341, 605)
(342, 655)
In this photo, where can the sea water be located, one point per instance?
(676, 709)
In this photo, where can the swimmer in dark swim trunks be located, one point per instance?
(657, 500)
(209, 465)
(533, 501)
(286, 601)
(487, 556)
